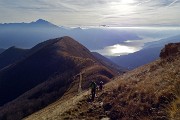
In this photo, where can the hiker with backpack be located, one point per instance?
(101, 85)
(93, 86)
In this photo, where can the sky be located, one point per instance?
(93, 12)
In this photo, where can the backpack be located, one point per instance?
(93, 85)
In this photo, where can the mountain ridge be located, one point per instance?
(149, 53)
(148, 92)
(27, 35)
(2, 50)
(11, 55)
(49, 71)
(39, 22)
(110, 64)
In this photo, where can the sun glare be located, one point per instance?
(122, 7)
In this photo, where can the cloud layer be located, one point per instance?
(93, 12)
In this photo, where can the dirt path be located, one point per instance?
(60, 109)
(55, 110)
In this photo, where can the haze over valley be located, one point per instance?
(111, 42)
(89, 60)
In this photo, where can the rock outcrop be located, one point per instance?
(170, 49)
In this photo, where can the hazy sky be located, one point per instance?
(92, 12)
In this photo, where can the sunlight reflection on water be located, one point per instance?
(148, 34)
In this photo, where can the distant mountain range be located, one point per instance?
(26, 35)
(48, 71)
(38, 23)
(137, 59)
(148, 54)
(162, 42)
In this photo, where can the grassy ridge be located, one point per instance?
(149, 92)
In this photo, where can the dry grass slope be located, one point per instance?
(151, 92)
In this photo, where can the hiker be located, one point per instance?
(93, 86)
(101, 85)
